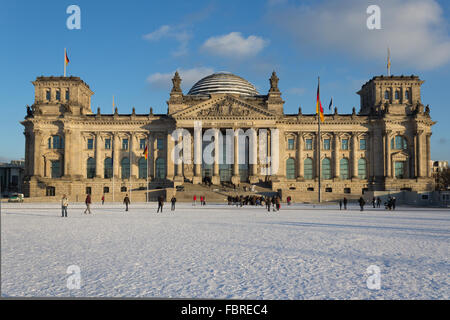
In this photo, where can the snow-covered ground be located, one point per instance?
(219, 251)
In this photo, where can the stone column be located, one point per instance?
(116, 150)
(354, 157)
(236, 178)
(67, 152)
(300, 168)
(169, 160)
(197, 156)
(216, 175)
(317, 161)
(151, 156)
(134, 169)
(428, 157)
(253, 150)
(38, 160)
(98, 160)
(336, 156)
(387, 155)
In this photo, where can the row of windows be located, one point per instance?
(125, 144)
(397, 94)
(327, 144)
(325, 169)
(125, 168)
(48, 94)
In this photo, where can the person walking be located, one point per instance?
(204, 201)
(194, 200)
(340, 204)
(268, 203)
(373, 202)
(173, 200)
(274, 202)
(361, 203)
(201, 200)
(345, 203)
(277, 203)
(126, 201)
(88, 202)
(160, 203)
(64, 205)
(378, 202)
(103, 199)
(288, 200)
(393, 203)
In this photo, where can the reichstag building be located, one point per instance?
(72, 149)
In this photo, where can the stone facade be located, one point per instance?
(70, 149)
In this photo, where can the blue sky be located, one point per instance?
(130, 49)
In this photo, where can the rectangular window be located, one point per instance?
(142, 144)
(56, 168)
(88, 190)
(58, 95)
(125, 144)
(308, 144)
(326, 144)
(362, 144)
(90, 144)
(105, 189)
(160, 144)
(291, 144)
(108, 144)
(344, 144)
(50, 191)
(399, 167)
(48, 95)
(67, 94)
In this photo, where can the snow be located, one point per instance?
(219, 251)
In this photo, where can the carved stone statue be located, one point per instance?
(176, 81)
(30, 113)
(299, 110)
(274, 82)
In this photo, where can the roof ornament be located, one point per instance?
(274, 82)
(176, 82)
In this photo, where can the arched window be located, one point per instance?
(343, 169)
(397, 94)
(326, 169)
(125, 168)
(308, 169)
(399, 143)
(387, 95)
(290, 168)
(108, 166)
(362, 169)
(160, 168)
(90, 168)
(407, 95)
(142, 168)
(55, 142)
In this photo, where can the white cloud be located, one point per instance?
(415, 31)
(178, 33)
(233, 45)
(188, 76)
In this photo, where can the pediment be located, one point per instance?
(224, 107)
(399, 156)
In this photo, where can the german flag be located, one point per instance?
(66, 58)
(146, 152)
(319, 109)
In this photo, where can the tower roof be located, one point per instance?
(223, 82)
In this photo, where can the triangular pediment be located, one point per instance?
(224, 107)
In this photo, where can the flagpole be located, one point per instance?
(318, 146)
(65, 62)
(114, 149)
(146, 195)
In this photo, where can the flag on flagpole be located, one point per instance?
(331, 104)
(146, 152)
(389, 62)
(319, 109)
(66, 59)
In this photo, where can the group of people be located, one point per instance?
(376, 203)
(202, 200)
